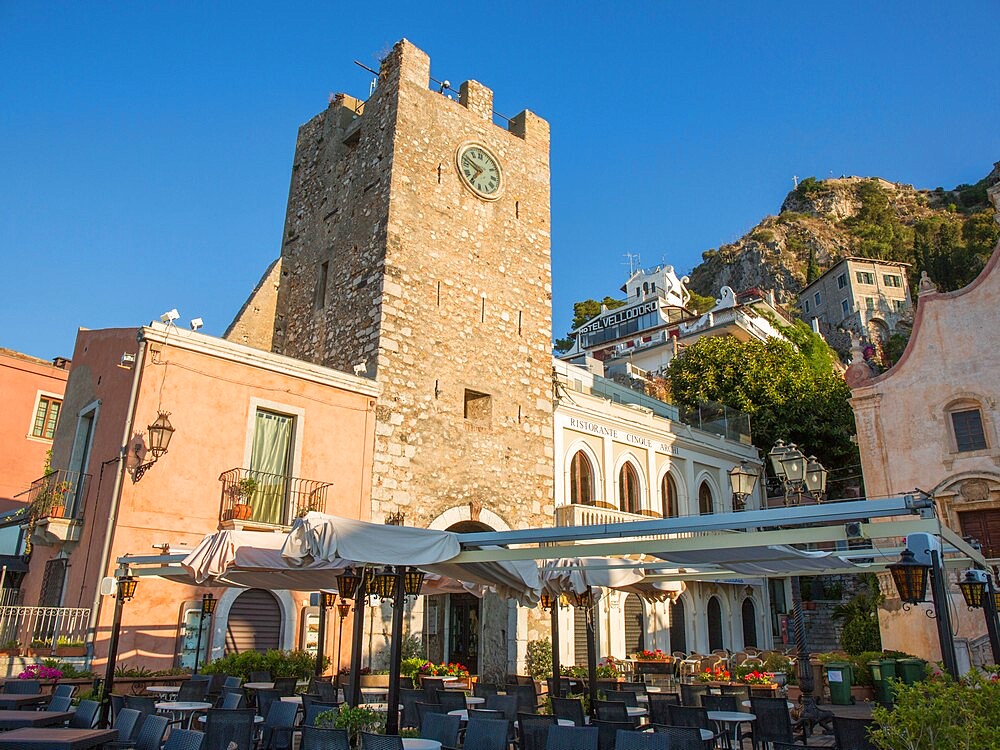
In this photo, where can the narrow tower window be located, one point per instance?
(319, 301)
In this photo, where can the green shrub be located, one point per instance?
(538, 661)
(355, 720)
(299, 664)
(410, 667)
(941, 714)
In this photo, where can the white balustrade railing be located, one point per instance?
(43, 625)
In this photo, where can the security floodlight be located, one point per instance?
(170, 316)
(196, 323)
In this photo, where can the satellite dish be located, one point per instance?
(108, 586)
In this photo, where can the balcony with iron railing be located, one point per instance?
(257, 499)
(56, 503)
(582, 514)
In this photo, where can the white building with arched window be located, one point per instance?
(624, 456)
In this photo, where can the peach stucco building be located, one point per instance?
(31, 393)
(931, 422)
(300, 433)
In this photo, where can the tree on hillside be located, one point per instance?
(881, 235)
(788, 395)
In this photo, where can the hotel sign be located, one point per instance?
(625, 437)
(620, 316)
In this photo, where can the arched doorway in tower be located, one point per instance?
(635, 626)
(466, 615)
(253, 623)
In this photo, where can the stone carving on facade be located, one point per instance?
(926, 286)
(974, 491)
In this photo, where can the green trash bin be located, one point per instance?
(876, 669)
(840, 676)
(887, 667)
(911, 670)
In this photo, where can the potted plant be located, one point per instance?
(11, 647)
(355, 719)
(243, 490)
(647, 655)
(50, 502)
(38, 647)
(70, 647)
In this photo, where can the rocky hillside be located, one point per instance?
(949, 233)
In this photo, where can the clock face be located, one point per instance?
(480, 171)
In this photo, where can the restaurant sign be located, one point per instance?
(622, 436)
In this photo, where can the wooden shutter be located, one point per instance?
(580, 636)
(254, 622)
(678, 631)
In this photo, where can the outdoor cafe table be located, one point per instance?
(731, 717)
(47, 738)
(633, 711)
(419, 743)
(747, 704)
(183, 707)
(163, 689)
(474, 700)
(17, 719)
(17, 700)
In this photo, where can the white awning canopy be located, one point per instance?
(577, 574)
(319, 537)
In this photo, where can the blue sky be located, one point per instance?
(146, 147)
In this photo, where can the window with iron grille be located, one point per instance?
(53, 580)
(46, 417)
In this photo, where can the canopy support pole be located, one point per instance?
(941, 605)
(990, 609)
(354, 699)
(109, 674)
(591, 655)
(395, 652)
(321, 636)
(556, 679)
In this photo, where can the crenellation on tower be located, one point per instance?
(477, 98)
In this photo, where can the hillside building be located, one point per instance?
(641, 337)
(870, 298)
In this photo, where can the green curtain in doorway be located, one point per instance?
(272, 442)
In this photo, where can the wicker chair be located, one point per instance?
(441, 727)
(285, 686)
(571, 738)
(625, 740)
(64, 703)
(232, 682)
(264, 700)
(608, 730)
(451, 700)
(317, 738)
(527, 698)
(719, 703)
(659, 706)
(278, 724)
(127, 722)
(483, 734)
(232, 699)
(149, 737)
(773, 724)
(143, 703)
(64, 690)
(612, 711)
(371, 741)
(533, 730)
(409, 699)
(424, 710)
(690, 716)
(85, 716)
(852, 734)
(629, 697)
(681, 738)
(639, 688)
(560, 689)
(22, 687)
(313, 709)
(570, 709)
(185, 739)
(482, 690)
(225, 727)
(193, 691)
(329, 692)
(431, 685)
(487, 714)
(260, 677)
(506, 704)
(691, 694)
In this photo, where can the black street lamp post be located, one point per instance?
(343, 610)
(977, 588)
(327, 600)
(208, 602)
(124, 591)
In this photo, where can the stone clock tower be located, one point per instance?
(417, 243)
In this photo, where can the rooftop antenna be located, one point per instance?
(374, 83)
(634, 262)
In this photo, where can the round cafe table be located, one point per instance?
(746, 704)
(180, 708)
(474, 700)
(735, 718)
(419, 743)
(163, 689)
(258, 685)
(633, 711)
